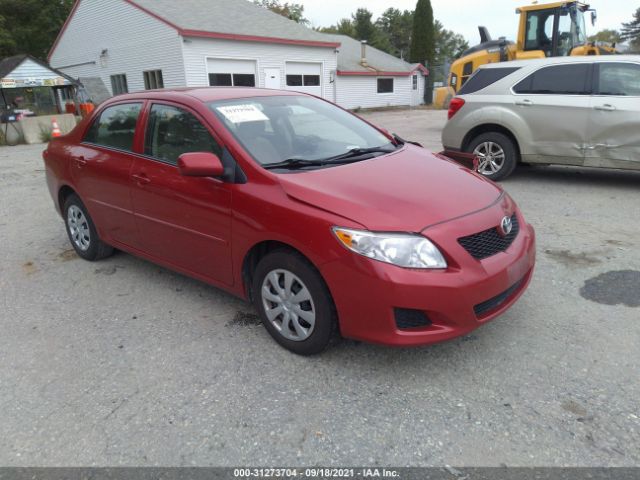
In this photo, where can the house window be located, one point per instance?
(415, 82)
(119, 84)
(300, 80)
(294, 80)
(244, 80)
(312, 80)
(385, 85)
(153, 80)
(232, 80)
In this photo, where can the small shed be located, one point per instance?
(30, 87)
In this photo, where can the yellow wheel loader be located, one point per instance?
(547, 30)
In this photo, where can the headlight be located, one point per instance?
(401, 249)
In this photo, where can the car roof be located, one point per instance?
(205, 94)
(563, 60)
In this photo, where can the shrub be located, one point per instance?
(45, 134)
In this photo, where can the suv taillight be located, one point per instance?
(455, 105)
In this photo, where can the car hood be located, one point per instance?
(407, 190)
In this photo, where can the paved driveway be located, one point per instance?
(122, 362)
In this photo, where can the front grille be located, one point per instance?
(495, 302)
(488, 243)
(407, 318)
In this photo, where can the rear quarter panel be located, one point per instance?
(482, 110)
(56, 165)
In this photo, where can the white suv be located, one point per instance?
(582, 111)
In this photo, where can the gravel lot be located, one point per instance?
(124, 363)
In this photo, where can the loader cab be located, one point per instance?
(551, 30)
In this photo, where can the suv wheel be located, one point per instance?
(497, 155)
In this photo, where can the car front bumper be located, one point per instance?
(456, 301)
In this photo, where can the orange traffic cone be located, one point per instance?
(55, 132)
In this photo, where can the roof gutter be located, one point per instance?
(256, 38)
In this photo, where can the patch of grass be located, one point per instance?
(45, 134)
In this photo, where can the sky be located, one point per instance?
(464, 16)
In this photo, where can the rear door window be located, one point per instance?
(172, 131)
(619, 79)
(115, 127)
(485, 77)
(557, 80)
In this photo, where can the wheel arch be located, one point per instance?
(491, 128)
(258, 251)
(63, 193)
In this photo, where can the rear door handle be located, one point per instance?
(605, 108)
(524, 103)
(141, 178)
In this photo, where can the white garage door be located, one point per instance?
(304, 77)
(224, 72)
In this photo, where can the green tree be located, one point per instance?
(364, 29)
(7, 45)
(292, 11)
(631, 30)
(423, 37)
(607, 35)
(31, 26)
(448, 45)
(396, 25)
(343, 27)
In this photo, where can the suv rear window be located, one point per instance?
(485, 77)
(557, 80)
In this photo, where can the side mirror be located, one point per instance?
(200, 164)
(594, 17)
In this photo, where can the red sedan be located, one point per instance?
(326, 223)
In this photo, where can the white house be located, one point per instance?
(132, 45)
(368, 77)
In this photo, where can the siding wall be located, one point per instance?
(29, 69)
(135, 41)
(362, 92)
(267, 55)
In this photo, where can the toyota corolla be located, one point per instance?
(326, 223)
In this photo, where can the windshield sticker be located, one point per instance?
(242, 113)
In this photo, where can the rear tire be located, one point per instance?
(294, 303)
(82, 231)
(497, 155)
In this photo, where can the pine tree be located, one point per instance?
(422, 41)
(631, 30)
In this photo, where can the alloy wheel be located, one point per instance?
(491, 158)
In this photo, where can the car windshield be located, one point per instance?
(283, 128)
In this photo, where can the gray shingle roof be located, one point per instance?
(350, 56)
(233, 17)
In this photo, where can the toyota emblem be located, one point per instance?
(506, 225)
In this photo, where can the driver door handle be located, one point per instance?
(141, 178)
(524, 103)
(605, 108)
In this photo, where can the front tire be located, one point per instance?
(497, 155)
(294, 303)
(82, 231)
